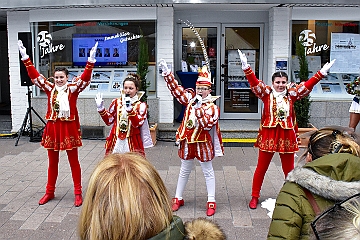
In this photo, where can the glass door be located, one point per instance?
(192, 52)
(192, 58)
(237, 100)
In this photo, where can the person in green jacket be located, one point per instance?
(331, 174)
(127, 199)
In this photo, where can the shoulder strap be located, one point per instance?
(312, 201)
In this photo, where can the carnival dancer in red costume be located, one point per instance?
(198, 135)
(128, 115)
(62, 131)
(278, 122)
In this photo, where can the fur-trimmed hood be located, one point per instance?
(197, 229)
(331, 178)
(203, 229)
(334, 176)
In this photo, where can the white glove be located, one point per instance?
(128, 106)
(163, 66)
(243, 60)
(91, 58)
(326, 67)
(99, 101)
(197, 102)
(22, 51)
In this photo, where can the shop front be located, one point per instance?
(68, 44)
(243, 30)
(265, 32)
(327, 37)
(54, 43)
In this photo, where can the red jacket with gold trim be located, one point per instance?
(74, 88)
(269, 117)
(196, 123)
(136, 119)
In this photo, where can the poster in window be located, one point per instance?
(238, 85)
(100, 81)
(345, 48)
(330, 88)
(281, 64)
(234, 62)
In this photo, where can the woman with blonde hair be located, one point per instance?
(127, 199)
(330, 174)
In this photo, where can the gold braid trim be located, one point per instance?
(28, 63)
(102, 112)
(248, 71)
(89, 65)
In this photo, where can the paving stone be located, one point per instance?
(23, 176)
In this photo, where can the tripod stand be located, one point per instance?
(29, 116)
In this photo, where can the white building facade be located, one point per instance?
(264, 30)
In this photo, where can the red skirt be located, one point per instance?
(61, 135)
(136, 144)
(277, 139)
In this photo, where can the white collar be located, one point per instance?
(278, 94)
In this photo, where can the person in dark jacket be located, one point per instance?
(331, 174)
(127, 199)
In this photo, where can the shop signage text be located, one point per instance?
(91, 24)
(307, 38)
(340, 24)
(124, 36)
(44, 39)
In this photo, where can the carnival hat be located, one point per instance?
(204, 74)
(204, 77)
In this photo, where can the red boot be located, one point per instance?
(211, 207)
(78, 200)
(47, 197)
(253, 202)
(176, 204)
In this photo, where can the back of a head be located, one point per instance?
(330, 140)
(340, 222)
(126, 199)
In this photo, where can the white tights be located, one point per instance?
(185, 170)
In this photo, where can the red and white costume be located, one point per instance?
(62, 132)
(199, 126)
(278, 130)
(130, 130)
(198, 136)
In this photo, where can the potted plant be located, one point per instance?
(302, 106)
(142, 71)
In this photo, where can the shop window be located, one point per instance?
(325, 40)
(192, 52)
(68, 44)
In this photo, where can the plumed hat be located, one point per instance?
(204, 77)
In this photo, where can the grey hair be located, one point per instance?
(341, 224)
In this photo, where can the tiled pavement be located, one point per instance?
(23, 177)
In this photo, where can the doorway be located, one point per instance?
(5, 103)
(237, 99)
(221, 42)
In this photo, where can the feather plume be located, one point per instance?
(190, 25)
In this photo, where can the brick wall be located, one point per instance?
(17, 22)
(165, 50)
(279, 37)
